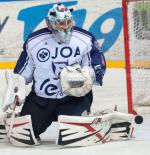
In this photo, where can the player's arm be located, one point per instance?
(16, 81)
(98, 62)
(25, 64)
(94, 58)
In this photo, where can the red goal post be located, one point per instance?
(136, 27)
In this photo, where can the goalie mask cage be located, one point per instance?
(136, 23)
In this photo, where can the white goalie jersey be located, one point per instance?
(43, 59)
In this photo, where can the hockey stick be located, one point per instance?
(13, 106)
(4, 132)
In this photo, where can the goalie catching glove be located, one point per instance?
(77, 81)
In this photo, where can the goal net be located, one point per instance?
(136, 19)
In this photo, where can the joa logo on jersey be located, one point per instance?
(65, 52)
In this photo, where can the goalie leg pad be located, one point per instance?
(3, 132)
(122, 126)
(22, 133)
(120, 130)
(83, 131)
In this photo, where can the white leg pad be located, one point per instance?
(22, 133)
(93, 130)
(3, 132)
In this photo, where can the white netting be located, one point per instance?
(139, 46)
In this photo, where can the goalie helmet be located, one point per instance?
(60, 22)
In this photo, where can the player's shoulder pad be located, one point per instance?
(84, 32)
(37, 34)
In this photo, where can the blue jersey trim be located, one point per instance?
(84, 32)
(23, 59)
(43, 30)
(21, 63)
(38, 33)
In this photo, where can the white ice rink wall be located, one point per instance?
(18, 18)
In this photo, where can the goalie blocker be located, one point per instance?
(15, 88)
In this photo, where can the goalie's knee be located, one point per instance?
(21, 133)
